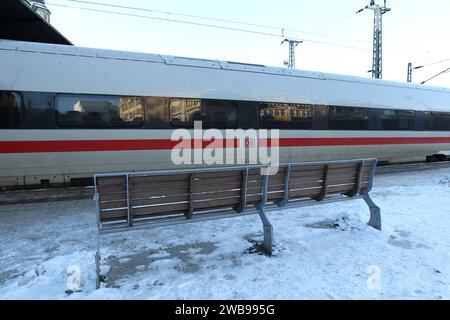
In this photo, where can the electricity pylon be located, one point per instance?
(292, 45)
(377, 61)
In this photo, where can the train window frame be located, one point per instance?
(391, 128)
(331, 120)
(19, 108)
(290, 124)
(97, 127)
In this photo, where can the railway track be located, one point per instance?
(407, 167)
(85, 193)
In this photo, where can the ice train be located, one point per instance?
(67, 112)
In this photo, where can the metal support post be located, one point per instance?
(268, 228)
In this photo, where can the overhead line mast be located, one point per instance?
(377, 60)
(292, 45)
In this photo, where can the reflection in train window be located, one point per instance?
(437, 121)
(397, 120)
(9, 110)
(285, 116)
(348, 118)
(217, 114)
(183, 112)
(86, 111)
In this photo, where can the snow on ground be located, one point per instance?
(321, 252)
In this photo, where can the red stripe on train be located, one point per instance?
(166, 144)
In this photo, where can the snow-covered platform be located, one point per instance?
(321, 252)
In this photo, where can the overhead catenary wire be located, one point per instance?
(292, 30)
(264, 26)
(268, 34)
(435, 76)
(206, 25)
(434, 63)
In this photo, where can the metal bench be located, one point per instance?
(128, 201)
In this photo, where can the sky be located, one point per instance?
(336, 39)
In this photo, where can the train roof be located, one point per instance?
(202, 63)
(412, 95)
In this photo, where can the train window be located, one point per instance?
(348, 118)
(87, 111)
(219, 114)
(183, 112)
(397, 120)
(285, 116)
(9, 110)
(215, 114)
(437, 121)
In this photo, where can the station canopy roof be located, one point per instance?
(19, 22)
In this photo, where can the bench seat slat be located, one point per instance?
(140, 194)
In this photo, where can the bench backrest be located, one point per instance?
(126, 198)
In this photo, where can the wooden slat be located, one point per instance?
(160, 209)
(158, 200)
(343, 166)
(306, 174)
(317, 175)
(112, 196)
(112, 188)
(342, 180)
(218, 174)
(113, 204)
(342, 171)
(275, 195)
(115, 220)
(218, 203)
(254, 199)
(340, 189)
(255, 178)
(305, 184)
(276, 187)
(364, 184)
(305, 191)
(161, 215)
(137, 180)
(158, 186)
(217, 187)
(220, 180)
(122, 213)
(276, 179)
(161, 193)
(216, 195)
(306, 168)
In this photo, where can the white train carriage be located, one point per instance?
(69, 112)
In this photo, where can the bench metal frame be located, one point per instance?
(261, 208)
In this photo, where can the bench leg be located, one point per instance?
(97, 270)
(375, 215)
(268, 232)
(97, 262)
